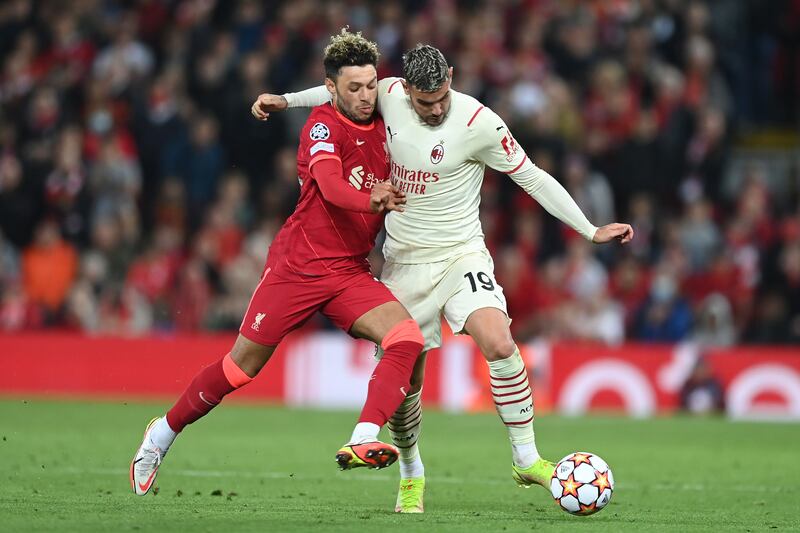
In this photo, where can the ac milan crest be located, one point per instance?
(437, 154)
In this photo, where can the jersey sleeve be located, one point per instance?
(494, 144)
(497, 148)
(308, 98)
(389, 87)
(328, 175)
(322, 139)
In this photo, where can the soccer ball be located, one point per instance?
(582, 483)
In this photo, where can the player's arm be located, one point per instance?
(328, 171)
(269, 103)
(498, 149)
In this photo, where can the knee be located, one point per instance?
(404, 331)
(500, 347)
(250, 357)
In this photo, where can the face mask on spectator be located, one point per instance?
(100, 122)
(663, 289)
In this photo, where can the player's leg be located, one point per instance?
(390, 326)
(366, 309)
(511, 393)
(205, 392)
(405, 427)
(273, 312)
(413, 285)
(478, 308)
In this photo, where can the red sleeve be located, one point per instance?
(328, 175)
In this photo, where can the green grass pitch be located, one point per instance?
(64, 467)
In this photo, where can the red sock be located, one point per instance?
(390, 382)
(205, 392)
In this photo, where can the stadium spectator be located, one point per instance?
(702, 393)
(49, 266)
(122, 121)
(665, 316)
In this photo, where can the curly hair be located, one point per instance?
(425, 68)
(348, 49)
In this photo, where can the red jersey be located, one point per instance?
(319, 237)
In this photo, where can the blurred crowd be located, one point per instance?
(138, 195)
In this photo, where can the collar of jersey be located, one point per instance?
(349, 122)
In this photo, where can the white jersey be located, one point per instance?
(441, 170)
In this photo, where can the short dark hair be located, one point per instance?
(348, 49)
(425, 68)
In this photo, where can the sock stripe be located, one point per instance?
(514, 401)
(528, 421)
(406, 447)
(235, 375)
(521, 390)
(411, 408)
(495, 378)
(411, 414)
(392, 424)
(405, 429)
(520, 382)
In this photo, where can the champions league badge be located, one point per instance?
(319, 132)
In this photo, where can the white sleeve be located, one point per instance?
(386, 86)
(546, 190)
(497, 148)
(309, 98)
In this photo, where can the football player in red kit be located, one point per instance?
(317, 262)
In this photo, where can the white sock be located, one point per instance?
(524, 454)
(513, 400)
(161, 435)
(411, 467)
(405, 427)
(365, 432)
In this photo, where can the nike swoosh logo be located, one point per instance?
(359, 142)
(403, 390)
(146, 485)
(206, 401)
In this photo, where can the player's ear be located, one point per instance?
(404, 83)
(331, 86)
(450, 74)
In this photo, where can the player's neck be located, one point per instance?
(360, 125)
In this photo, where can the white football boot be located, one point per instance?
(144, 466)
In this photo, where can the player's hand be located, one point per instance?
(385, 196)
(620, 232)
(266, 103)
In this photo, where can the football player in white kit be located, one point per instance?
(437, 263)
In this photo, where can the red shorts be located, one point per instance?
(284, 302)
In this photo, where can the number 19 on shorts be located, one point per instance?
(480, 279)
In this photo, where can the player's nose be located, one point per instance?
(365, 96)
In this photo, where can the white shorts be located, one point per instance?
(454, 288)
